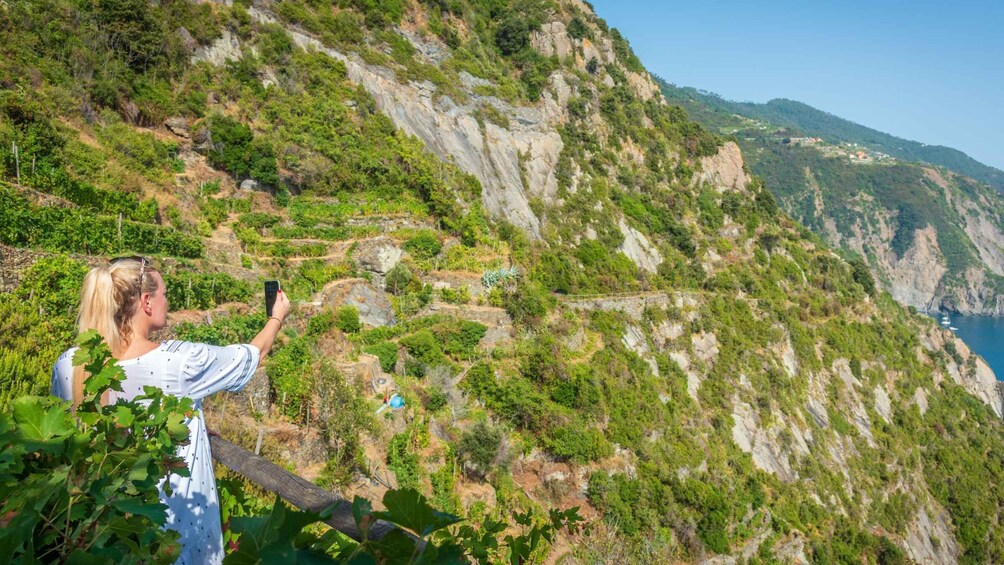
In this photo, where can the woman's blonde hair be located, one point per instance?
(108, 300)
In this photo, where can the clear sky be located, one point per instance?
(930, 71)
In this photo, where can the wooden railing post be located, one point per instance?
(295, 490)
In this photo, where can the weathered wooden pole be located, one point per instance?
(295, 490)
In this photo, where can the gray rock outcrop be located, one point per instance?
(450, 130)
(920, 275)
(724, 170)
(976, 377)
(760, 443)
(635, 340)
(552, 39)
(378, 255)
(637, 248)
(226, 48)
(931, 540)
(179, 127)
(374, 308)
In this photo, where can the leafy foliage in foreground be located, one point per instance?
(423, 535)
(84, 486)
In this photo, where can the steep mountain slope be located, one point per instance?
(931, 236)
(488, 207)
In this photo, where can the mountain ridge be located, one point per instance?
(811, 121)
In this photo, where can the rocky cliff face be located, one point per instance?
(514, 163)
(963, 278)
(496, 155)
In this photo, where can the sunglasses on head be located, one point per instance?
(143, 262)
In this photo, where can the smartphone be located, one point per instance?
(271, 290)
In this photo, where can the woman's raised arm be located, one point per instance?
(266, 337)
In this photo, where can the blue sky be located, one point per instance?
(923, 70)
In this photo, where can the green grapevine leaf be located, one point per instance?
(42, 425)
(409, 509)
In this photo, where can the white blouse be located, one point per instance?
(192, 370)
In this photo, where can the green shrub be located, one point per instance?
(403, 461)
(378, 13)
(423, 246)
(321, 323)
(461, 295)
(289, 371)
(578, 443)
(862, 275)
(554, 272)
(386, 351)
(461, 338)
(528, 304)
(399, 279)
(347, 319)
(34, 336)
(479, 447)
(435, 400)
(343, 417)
(53, 283)
(258, 220)
(424, 347)
(414, 368)
(512, 35)
(223, 330)
(237, 150)
(204, 291)
(577, 29)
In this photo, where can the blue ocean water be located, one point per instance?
(984, 335)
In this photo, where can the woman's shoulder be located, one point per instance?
(181, 350)
(175, 346)
(196, 353)
(178, 346)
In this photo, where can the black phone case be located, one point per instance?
(271, 290)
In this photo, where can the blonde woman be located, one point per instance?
(125, 301)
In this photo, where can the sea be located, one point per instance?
(984, 335)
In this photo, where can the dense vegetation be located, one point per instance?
(748, 320)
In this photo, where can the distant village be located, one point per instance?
(852, 151)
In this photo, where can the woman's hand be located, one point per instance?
(266, 337)
(281, 307)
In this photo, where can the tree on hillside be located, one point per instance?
(512, 35)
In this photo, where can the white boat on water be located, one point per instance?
(945, 321)
(953, 328)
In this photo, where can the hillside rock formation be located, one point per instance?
(922, 277)
(451, 131)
